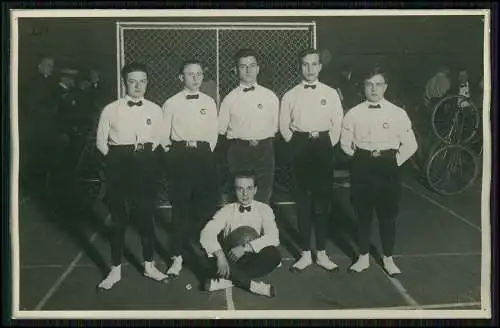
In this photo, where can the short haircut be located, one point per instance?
(245, 52)
(133, 67)
(375, 70)
(190, 62)
(246, 174)
(308, 51)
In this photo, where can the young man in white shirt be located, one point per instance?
(379, 136)
(310, 121)
(127, 135)
(190, 129)
(240, 265)
(248, 118)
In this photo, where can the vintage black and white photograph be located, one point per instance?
(251, 164)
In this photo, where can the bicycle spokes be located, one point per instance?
(455, 120)
(452, 169)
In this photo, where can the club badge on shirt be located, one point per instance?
(259, 106)
(323, 101)
(385, 125)
(148, 121)
(203, 111)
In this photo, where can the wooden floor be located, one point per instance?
(64, 253)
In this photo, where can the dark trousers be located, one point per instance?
(375, 185)
(242, 156)
(131, 185)
(313, 173)
(194, 192)
(248, 267)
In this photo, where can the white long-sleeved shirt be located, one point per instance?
(190, 119)
(120, 124)
(388, 127)
(311, 110)
(261, 218)
(251, 115)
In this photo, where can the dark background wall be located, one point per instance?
(410, 46)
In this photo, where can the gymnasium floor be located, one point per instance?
(63, 255)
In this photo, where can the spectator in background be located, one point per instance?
(209, 86)
(348, 89)
(96, 89)
(95, 78)
(37, 100)
(462, 87)
(91, 97)
(480, 96)
(437, 86)
(68, 114)
(86, 106)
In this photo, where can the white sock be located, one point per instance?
(362, 263)
(176, 266)
(390, 266)
(152, 272)
(304, 261)
(323, 260)
(217, 284)
(114, 275)
(260, 288)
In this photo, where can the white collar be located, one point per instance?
(382, 103)
(127, 98)
(186, 91)
(244, 86)
(315, 82)
(252, 204)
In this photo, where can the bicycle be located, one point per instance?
(86, 174)
(90, 171)
(452, 166)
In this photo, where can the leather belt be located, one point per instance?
(140, 147)
(376, 153)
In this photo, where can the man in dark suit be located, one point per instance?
(37, 129)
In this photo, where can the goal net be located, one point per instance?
(163, 47)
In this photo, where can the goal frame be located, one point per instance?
(121, 26)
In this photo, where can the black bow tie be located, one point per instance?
(374, 106)
(312, 86)
(131, 103)
(192, 97)
(249, 89)
(245, 208)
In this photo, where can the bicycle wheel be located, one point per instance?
(455, 120)
(452, 169)
(90, 173)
